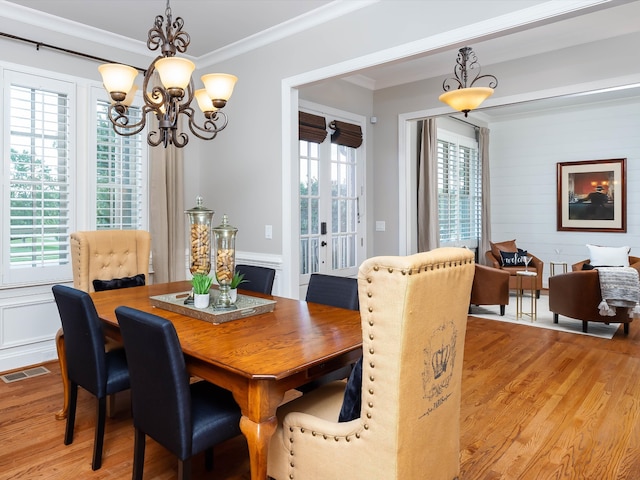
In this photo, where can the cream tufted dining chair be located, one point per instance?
(414, 315)
(102, 255)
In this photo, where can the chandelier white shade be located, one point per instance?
(466, 97)
(117, 79)
(175, 72)
(169, 94)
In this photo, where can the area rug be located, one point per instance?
(544, 318)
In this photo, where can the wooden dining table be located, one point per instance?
(258, 358)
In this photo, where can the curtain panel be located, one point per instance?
(428, 223)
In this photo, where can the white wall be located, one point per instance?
(524, 153)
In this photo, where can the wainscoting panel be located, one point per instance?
(28, 325)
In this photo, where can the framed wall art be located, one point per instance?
(592, 195)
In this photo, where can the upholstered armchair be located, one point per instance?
(576, 294)
(495, 260)
(414, 315)
(490, 287)
(102, 255)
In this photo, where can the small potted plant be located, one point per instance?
(201, 284)
(237, 279)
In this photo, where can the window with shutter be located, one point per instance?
(459, 190)
(120, 174)
(39, 134)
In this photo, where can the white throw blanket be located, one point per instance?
(619, 287)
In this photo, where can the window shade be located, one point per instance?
(347, 134)
(311, 128)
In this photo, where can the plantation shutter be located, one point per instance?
(39, 177)
(459, 193)
(119, 174)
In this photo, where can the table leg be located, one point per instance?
(62, 358)
(258, 438)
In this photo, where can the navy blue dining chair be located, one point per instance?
(186, 418)
(88, 365)
(258, 279)
(341, 292)
(332, 290)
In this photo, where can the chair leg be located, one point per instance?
(502, 307)
(184, 469)
(71, 413)
(138, 454)
(585, 326)
(208, 458)
(626, 328)
(555, 318)
(99, 440)
(62, 359)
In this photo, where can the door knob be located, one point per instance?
(323, 243)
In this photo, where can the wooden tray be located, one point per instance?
(247, 306)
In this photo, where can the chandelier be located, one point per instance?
(466, 97)
(167, 90)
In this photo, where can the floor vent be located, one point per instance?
(32, 372)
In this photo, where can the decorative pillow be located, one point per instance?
(608, 256)
(507, 246)
(587, 266)
(513, 259)
(116, 283)
(352, 395)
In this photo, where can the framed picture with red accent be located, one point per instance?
(592, 195)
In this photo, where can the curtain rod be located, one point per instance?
(60, 49)
(464, 121)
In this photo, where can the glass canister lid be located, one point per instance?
(224, 229)
(200, 212)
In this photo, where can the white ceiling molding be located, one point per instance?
(498, 26)
(45, 21)
(326, 13)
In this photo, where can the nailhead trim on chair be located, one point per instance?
(370, 322)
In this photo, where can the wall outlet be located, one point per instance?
(268, 231)
(381, 226)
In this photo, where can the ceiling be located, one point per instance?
(219, 25)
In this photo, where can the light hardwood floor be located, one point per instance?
(537, 404)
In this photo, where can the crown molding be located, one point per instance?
(308, 20)
(46, 21)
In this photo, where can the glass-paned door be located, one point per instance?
(331, 233)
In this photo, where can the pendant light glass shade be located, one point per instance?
(219, 86)
(466, 99)
(204, 101)
(175, 72)
(117, 78)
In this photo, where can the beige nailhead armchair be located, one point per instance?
(414, 315)
(102, 255)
